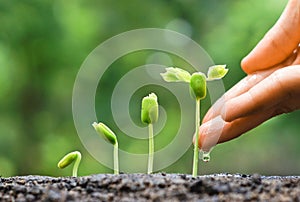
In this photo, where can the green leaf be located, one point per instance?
(216, 72)
(105, 132)
(68, 159)
(176, 75)
(149, 111)
(198, 85)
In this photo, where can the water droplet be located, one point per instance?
(204, 155)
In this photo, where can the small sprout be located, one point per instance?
(68, 159)
(176, 75)
(149, 115)
(216, 72)
(198, 85)
(149, 112)
(110, 137)
(198, 91)
(105, 132)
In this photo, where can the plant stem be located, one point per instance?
(116, 159)
(151, 148)
(197, 125)
(76, 164)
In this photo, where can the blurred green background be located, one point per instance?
(43, 44)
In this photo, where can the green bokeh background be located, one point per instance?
(43, 44)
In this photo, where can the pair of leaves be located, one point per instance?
(197, 80)
(174, 74)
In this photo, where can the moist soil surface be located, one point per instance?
(154, 187)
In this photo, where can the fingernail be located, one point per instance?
(210, 133)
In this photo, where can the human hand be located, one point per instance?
(279, 42)
(272, 86)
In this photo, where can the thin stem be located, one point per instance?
(197, 125)
(116, 159)
(151, 149)
(76, 164)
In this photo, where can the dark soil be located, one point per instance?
(155, 187)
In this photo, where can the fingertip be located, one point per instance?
(245, 64)
(253, 62)
(210, 132)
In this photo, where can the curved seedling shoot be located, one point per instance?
(110, 137)
(197, 88)
(149, 115)
(68, 159)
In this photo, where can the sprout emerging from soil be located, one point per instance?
(68, 159)
(197, 88)
(110, 137)
(149, 115)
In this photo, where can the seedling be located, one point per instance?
(149, 115)
(68, 159)
(197, 88)
(110, 137)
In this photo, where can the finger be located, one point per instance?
(278, 43)
(217, 130)
(277, 87)
(243, 86)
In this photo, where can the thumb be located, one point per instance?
(278, 43)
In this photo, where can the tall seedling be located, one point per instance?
(197, 86)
